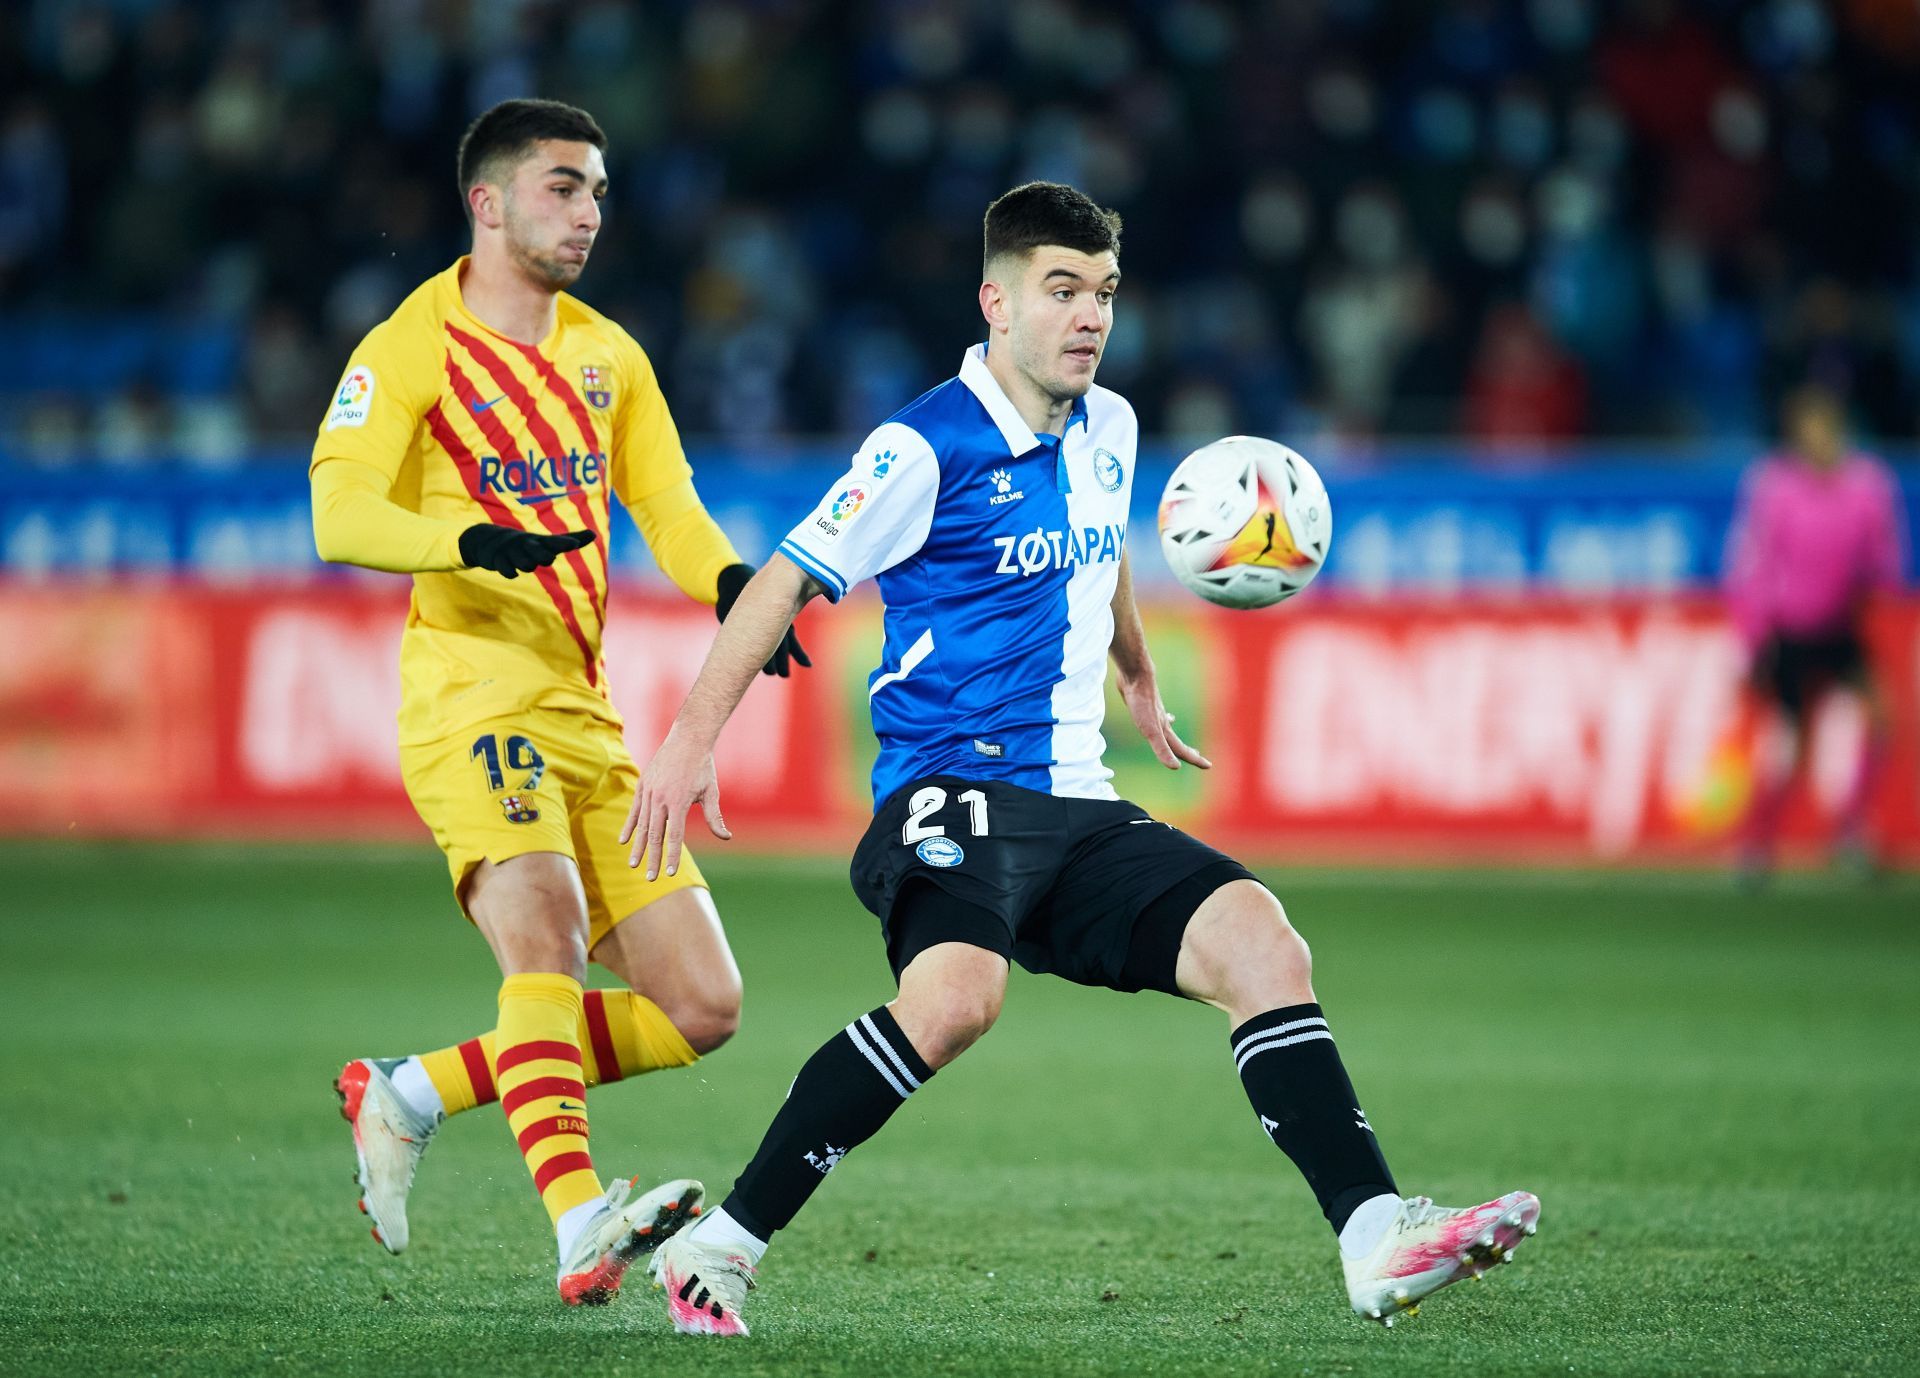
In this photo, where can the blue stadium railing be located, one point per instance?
(1425, 518)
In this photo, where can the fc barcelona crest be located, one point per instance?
(593, 381)
(519, 808)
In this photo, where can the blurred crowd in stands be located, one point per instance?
(1505, 220)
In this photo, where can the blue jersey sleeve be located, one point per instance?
(877, 514)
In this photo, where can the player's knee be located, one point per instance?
(710, 1016)
(943, 1024)
(957, 1026)
(1242, 951)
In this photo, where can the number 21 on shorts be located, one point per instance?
(930, 800)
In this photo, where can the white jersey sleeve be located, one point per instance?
(877, 515)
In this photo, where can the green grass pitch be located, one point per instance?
(1716, 1097)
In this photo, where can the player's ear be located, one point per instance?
(994, 306)
(483, 199)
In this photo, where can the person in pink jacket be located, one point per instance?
(1818, 532)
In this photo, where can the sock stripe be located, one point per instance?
(880, 1040)
(535, 1051)
(479, 1075)
(858, 1037)
(1253, 1049)
(539, 1089)
(558, 1166)
(605, 1060)
(1288, 1026)
(547, 1128)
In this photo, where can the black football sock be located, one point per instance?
(1292, 1072)
(842, 1096)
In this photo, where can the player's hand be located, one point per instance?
(1150, 715)
(510, 552)
(674, 781)
(733, 579)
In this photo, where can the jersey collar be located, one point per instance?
(983, 385)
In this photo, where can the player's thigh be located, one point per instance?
(952, 860)
(1118, 915)
(532, 911)
(674, 952)
(489, 798)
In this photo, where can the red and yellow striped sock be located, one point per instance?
(541, 1087)
(621, 1035)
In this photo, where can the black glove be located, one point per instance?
(732, 580)
(511, 552)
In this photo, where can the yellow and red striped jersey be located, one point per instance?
(440, 423)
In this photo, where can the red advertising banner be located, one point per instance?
(1527, 729)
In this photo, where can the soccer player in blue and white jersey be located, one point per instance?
(993, 512)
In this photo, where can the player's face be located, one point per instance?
(1816, 433)
(551, 210)
(1060, 315)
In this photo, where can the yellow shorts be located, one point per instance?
(542, 780)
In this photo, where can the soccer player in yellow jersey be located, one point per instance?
(474, 438)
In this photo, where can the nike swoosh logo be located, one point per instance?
(479, 406)
(565, 1106)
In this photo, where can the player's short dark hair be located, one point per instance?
(504, 133)
(1042, 213)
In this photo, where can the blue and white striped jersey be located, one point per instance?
(997, 553)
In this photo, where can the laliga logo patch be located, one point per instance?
(1106, 469)
(593, 383)
(940, 851)
(848, 503)
(351, 402)
(519, 808)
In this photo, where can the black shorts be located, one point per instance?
(1795, 669)
(1093, 890)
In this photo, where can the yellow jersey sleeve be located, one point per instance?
(655, 483)
(366, 438)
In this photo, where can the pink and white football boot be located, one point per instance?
(706, 1284)
(1426, 1247)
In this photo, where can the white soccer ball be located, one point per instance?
(1245, 522)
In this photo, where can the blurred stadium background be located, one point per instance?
(1526, 279)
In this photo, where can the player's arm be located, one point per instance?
(364, 440)
(654, 482)
(875, 516)
(696, 555)
(681, 773)
(1134, 675)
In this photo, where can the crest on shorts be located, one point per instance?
(520, 808)
(593, 382)
(941, 851)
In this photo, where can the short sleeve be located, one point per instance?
(877, 515)
(375, 410)
(647, 455)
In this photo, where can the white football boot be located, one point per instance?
(389, 1139)
(621, 1231)
(1426, 1247)
(706, 1285)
